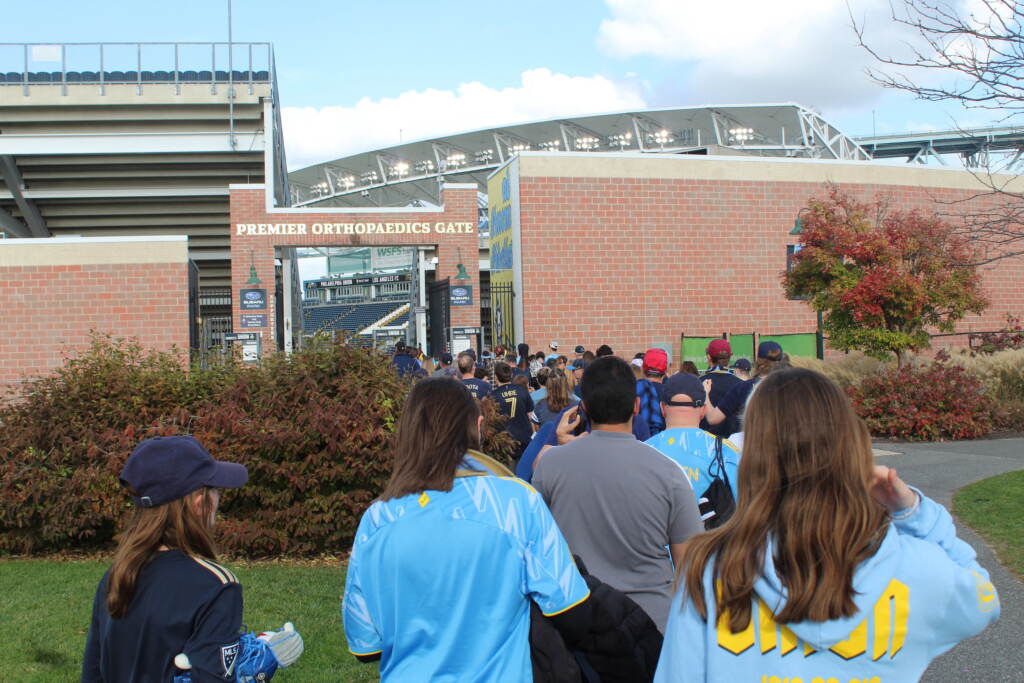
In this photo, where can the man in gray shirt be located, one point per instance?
(618, 501)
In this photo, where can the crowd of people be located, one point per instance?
(724, 525)
(719, 524)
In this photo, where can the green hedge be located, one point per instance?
(314, 429)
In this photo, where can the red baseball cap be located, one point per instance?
(656, 360)
(719, 347)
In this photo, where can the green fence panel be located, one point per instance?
(795, 344)
(742, 346)
(695, 350)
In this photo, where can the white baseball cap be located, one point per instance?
(554, 346)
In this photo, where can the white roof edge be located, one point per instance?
(624, 112)
(247, 186)
(460, 186)
(37, 241)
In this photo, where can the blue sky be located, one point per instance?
(357, 75)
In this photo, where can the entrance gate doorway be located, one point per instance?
(439, 316)
(502, 326)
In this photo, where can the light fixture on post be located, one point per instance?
(819, 335)
(253, 278)
(461, 273)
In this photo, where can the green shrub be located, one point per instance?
(926, 402)
(314, 428)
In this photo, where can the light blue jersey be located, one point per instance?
(918, 596)
(694, 450)
(440, 582)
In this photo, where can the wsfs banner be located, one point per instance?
(503, 216)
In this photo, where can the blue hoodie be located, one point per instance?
(918, 596)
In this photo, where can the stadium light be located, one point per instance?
(401, 169)
(519, 147)
(348, 181)
(662, 138)
(551, 145)
(623, 140)
(369, 177)
(586, 143)
(741, 135)
(456, 159)
(484, 156)
(425, 166)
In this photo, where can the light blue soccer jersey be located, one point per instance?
(440, 582)
(694, 450)
(921, 593)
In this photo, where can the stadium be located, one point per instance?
(146, 191)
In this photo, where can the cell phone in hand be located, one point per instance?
(582, 422)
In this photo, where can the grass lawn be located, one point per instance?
(994, 508)
(47, 606)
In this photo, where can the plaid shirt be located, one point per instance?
(650, 405)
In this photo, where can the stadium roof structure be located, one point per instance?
(118, 139)
(411, 173)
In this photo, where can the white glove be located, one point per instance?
(285, 643)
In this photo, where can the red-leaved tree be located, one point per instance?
(882, 278)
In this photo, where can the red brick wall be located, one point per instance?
(632, 262)
(248, 206)
(48, 310)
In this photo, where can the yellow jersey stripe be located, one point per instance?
(578, 602)
(364, 654)
(224, 575)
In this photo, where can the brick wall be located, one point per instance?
(634, 261)
(248, 206)
(48, 309)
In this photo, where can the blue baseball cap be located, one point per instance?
(167, 468)
(769, 350)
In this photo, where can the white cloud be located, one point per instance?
(756, 51)
(313, 135)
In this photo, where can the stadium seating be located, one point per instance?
(133, 76)
(350, 318)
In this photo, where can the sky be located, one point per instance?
(356, 76)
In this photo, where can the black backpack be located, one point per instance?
(717, 503)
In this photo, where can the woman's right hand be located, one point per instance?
(891, 491)
(565, 432)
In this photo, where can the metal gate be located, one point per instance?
(503, 329)
(438, 314)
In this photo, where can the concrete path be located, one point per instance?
(939, 469)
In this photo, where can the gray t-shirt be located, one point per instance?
(619, 503)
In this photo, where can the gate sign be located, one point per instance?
(391, 258)
(253, 299)
(461, 295)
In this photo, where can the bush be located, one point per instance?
(1011, 336)
(314, 428)
(1002, 373)
(847, 371)
(928, 402)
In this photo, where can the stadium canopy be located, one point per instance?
(411, 173)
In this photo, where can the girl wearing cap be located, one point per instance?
(831, 568)
(165, 596)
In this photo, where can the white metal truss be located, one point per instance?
(823, 137)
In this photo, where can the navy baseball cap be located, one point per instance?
(769, 350)
(579, 348)
(683, 383)
(446, 358)
(167, 468)
(742, 364)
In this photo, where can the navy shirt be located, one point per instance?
(722, 381)
(735, 401)
(478, 387)
(181, 604)
(407, 366)
(515, 401)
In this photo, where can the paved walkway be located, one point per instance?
(939, 469)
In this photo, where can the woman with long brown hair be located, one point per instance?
(444, 565)
(831, 568)
(165, 606)
(558, 398)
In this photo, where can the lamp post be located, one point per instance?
(819, 335)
